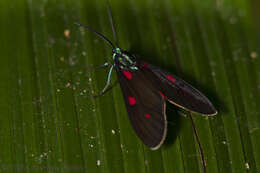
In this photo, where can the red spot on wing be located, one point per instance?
(131, 101)
(127, 74)
(172, 79)
(147, 116)
(163, 96)
(145, 66)
(184, 94)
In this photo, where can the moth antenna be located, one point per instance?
(97, 33)
(112, 23)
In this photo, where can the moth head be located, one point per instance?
(117, 52)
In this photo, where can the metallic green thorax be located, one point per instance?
(124, 61)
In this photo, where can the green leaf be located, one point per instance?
(50, 121)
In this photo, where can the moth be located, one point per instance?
(146, 89)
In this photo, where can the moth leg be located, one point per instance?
(106, 64)
(108, 82)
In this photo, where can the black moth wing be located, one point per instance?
(182, 94)
(145, 106)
